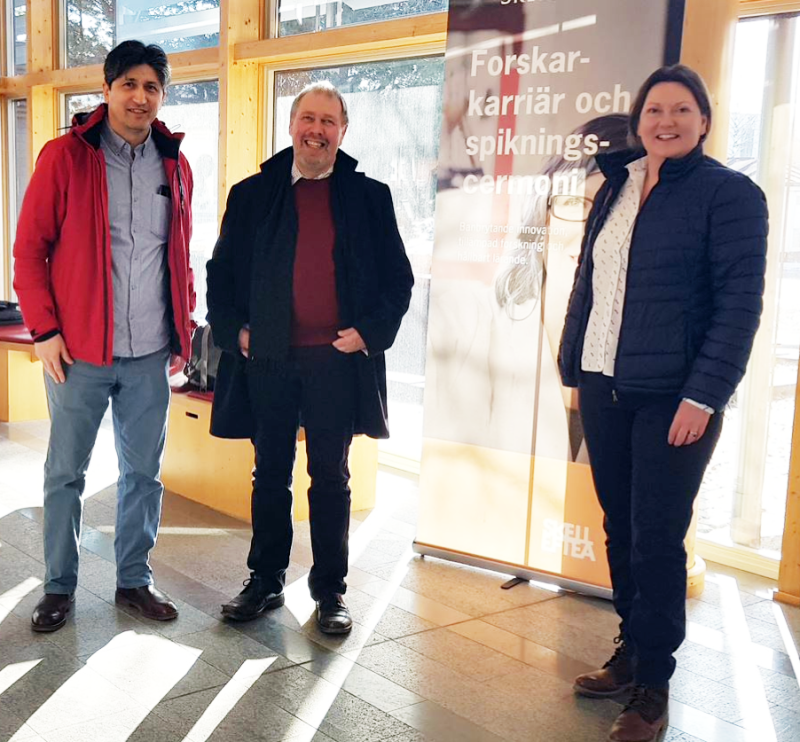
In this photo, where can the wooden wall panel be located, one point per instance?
(239, 94)
(42, 118)
(42, 43)
(762, 7)
(789, 577)
(41, 59)
(709, 30)
(380, 39)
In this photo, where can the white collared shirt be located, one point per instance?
(297, 175)
(610, 255)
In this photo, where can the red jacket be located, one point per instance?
(62, 252)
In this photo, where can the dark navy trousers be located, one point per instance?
(314, 388)
(646, 488)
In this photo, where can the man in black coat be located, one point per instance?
(307, 287)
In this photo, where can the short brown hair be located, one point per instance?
(325, 88)
(681, 74)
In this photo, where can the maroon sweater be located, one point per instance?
(315, 307)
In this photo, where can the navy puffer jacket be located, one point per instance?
(695, 281)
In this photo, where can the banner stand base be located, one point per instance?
(594, 591)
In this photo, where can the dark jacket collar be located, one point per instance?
(614, 164)
(282, 161)
(89, 126)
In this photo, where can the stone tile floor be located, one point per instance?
(439, 652)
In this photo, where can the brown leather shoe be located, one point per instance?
(149, 601)
(50, 613)
(644, 717)
(613, 678)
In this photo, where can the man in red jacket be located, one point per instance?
(103, 278)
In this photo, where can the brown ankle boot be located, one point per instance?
(643, 717)
(615, 677)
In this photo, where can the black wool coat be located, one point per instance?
(694, 285)
(250, 278)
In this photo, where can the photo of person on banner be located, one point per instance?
(542, 283)
(523, 303)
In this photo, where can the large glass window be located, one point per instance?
(191, 108)
(19, 167)
(94, 27)
(19, 146)
(81, 103)
(306, 16)
(16, 16)
(742, 502)
(394, 110)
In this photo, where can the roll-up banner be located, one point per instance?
(533, 91)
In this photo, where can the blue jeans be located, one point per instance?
(139, 392)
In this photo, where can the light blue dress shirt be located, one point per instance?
(139, 211)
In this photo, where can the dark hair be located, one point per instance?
(681, 74)
(522, 281)
(132, 53)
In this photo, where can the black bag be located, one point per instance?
(9, 313)
(201, 371)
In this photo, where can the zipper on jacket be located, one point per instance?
(180, 182)
(614, 397)
(628, 279)
(587, 304)
(178, 262)
(106, 235)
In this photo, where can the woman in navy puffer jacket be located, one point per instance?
(666, 302)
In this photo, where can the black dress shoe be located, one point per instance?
(148, 600)
(333, 616)
(254, 600)
(51, 612)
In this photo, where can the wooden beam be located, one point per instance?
(429, 31)
(42, 118)
(708, 32)
(748, 8)
(239, 94)
(42, 26)
(6, 236)
(789, 576)
(41, 60)
(194, 64)
(191, 65)
(13, 87)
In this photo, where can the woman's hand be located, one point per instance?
(688, 425)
